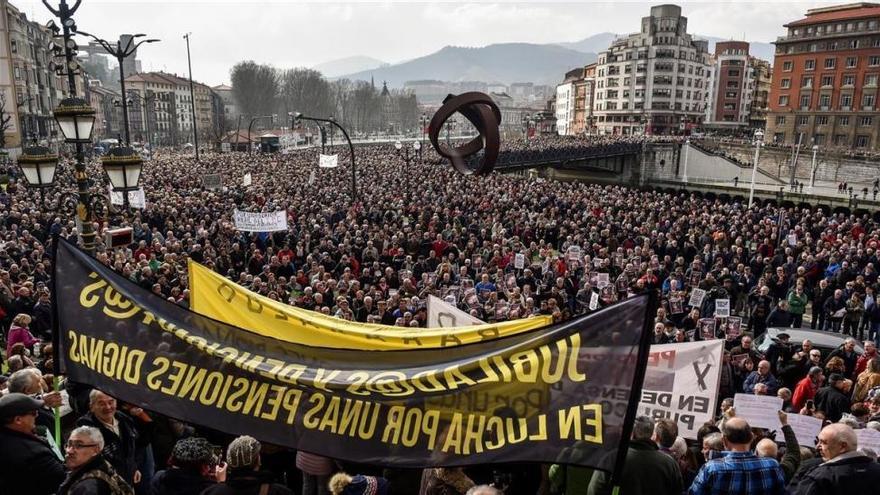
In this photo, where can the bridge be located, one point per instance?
(662, 166)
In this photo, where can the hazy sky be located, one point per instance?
(303, 33)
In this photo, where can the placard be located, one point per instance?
(707, 328)
(676, 305)
(247, 180)
(328, 161)
(519, 261)
(722, 308)
(869, 438)
(695, 279)
(733, 327)
(792, 239)
(761, 411)
(806, 429)
(594, 301)
(260, 221)
(602, 280)
(212, 181)
(136, 198)
(696, 299)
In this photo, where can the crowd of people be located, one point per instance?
(426, 230)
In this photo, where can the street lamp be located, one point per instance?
(400, 147)
(813, 168)
(38, 164)
(687, 147)
(76, 119)
(759, 141)
(424, 123)
(123, 166)
(298, 116)
(121, 53)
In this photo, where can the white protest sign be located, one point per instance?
(328, 161)
(594, 301)
(697, 296)
(869, 438)
(603, 281)
(519, 261)
(792, 239)
(761, 411)
(681, 382)
(312, 178)
(806, 429)
(248, 180)
(136, 198)
(722, 308)
(444, 315)
(260, 222)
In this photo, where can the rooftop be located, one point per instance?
(838, 13)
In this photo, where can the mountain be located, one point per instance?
(592, 44)
(504, 62)
(347, 65)
(600, 42)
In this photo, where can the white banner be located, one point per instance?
(136, 198)
(681, 383)
(696, 299)
(806, 429)
(328, 161)
(761, 411)
(868, 438)
(442, 315)
(248, 180)
(260, 222)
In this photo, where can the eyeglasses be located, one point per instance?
(80, 445)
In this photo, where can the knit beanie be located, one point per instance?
(243, 452)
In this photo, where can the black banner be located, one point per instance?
(537, 396)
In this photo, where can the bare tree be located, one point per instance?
(255, 87)
(5, 121)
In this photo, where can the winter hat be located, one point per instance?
(243, 452)
(193, 450)
(344, 484)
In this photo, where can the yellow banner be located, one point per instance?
(214, 296)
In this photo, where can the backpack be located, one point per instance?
(117, 485)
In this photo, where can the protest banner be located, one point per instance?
(806, 429)
(602, 280)
(345, 403)
(214, 296)
(136, 198)
(260, 221)
(247, 180)
(722, 308)
(444, 315)
(212, 181)
(519, 261)
(328, 161)
(761, 411)
(869, 438)
(696, 299)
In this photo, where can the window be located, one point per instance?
(874, 60)
(786, 66)
(805, 101)
(846, 101)
(876, 43)
(822, 120)
(849, 80)
(868, 101)
(819, 139)
(870, 79)
(14, 46)
(827, 80)
(785, 84)
(733, 73)
(862, 141)
(783, 100)
(780, 120)
(810, 65)
(866, 121)
(851, 62)
(730, 94)
(730, 106)
(779, 137)
(830, 62)
(843, 121)
(803, 120)
(840, 139)
(854, 43)
(825, 101)
(807, 82)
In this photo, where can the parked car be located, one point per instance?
(824, 341)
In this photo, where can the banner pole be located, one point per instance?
(636, 390)
(56, 338)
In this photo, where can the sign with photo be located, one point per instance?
(676, 305)
(733, 327)
(696, 299)
(695, 279)
(722, 308)
(707, 328)
(602, 280)
(519, 261)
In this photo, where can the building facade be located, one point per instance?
(731, 86)
(565, 95)
(108, 114)
(653, 81)
(763, 76)
(825, 79)
(574, 101)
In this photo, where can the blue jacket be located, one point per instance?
(755, 378)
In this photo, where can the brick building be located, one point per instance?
(732, 84)
(825, 76)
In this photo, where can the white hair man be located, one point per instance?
(845, 470)
(89, 471)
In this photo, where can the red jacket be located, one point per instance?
(805, 390)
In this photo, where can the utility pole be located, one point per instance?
(192, 97)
